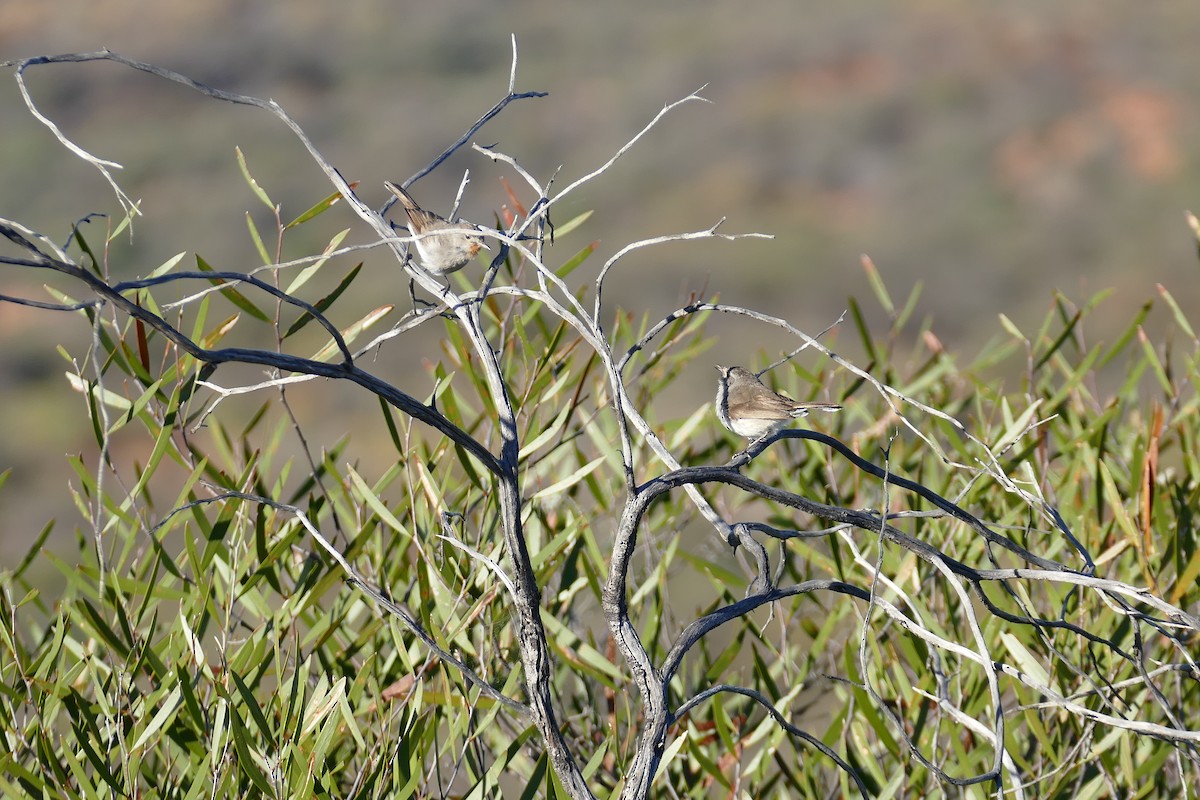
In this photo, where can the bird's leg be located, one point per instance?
(748, 447)
(412, 283)
(412, 294)
(767, 434)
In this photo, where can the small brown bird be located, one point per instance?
(749, 408)
(443, 246)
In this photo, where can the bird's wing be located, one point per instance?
(761, 402)
(422, 220)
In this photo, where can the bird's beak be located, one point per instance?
(719, 367)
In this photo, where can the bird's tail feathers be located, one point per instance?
(404, 197)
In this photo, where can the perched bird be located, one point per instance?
(443, 246)
(748, 408)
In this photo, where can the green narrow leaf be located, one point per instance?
(723, 575)
(320, 208)
(572, 224)
(864, 333)
(29, 784)
(189, 697)
(1011, 327)
(1016, 427)
(251, 703)
(669, 753)
(572, 263)
(79, 723)
(390, 421)
(1187, 578)
(136, 407)
(102, 628)
(878, 286)
(597, 758)
(93, 390)
(586, 657)
(254, 187)
(468, 464)
(1067, 330)
(256, 237)
(502, 759)
(216, 739)
(725, 658)
(910, 305)
(351, 723)
(35, 549)
(325, 302)
(322, 701)
(1074, 379)
(169, 706)
(168, 265)
(218, 333)
(353, 332)
(1155, 363)
(569, 481)
(548, 433)
(538, 784)
(126, 221)
(1117, 505)
(376, 505)
(83, 781)
(201, 318)
(1127, 336)
(312, 269)
(86, 249)
(725, 728)
(687, 430)
(246, 759)
(1180, 319)
(235, 297)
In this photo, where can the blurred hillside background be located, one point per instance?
(993, 151)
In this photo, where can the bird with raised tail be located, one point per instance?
(443, 246)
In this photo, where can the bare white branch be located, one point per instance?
(487, 562)
(710, 233)
(625, 148)
(102, 165)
